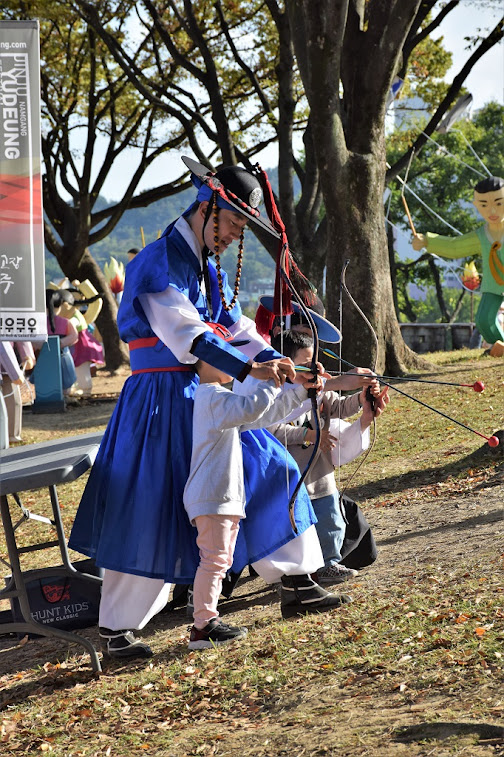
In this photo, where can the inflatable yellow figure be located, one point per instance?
(487, 241)
(87, 351)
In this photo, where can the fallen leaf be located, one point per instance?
(462, 618)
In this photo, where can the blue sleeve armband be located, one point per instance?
(213, 350)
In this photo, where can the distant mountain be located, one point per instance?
(257, 263)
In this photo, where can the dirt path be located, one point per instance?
(437, 535)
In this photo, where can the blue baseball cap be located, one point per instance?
(326, 331)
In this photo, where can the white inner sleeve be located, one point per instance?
(245, 328)
(174, 319)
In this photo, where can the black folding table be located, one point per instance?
(36, 466)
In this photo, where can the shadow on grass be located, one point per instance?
(440, 731)
(44, 684)
(485, 455)
(496, 516)
(78, 418)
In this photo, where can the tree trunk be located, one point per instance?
(392, 264)
(346, 71)
(116, 352)
(358, 235)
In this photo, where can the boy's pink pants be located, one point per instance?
(216, 541)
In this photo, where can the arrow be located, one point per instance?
(493, 441)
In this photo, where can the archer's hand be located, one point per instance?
(381, 400)
(354, 379)
(313, 383)
(373, 386)
(303, 376)
(418, 242)
(275, 370)
(327, 440)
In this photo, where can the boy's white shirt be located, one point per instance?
(352, 440)
(249, 385)
(215, 484)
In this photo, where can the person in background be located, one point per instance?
(300, 434)
(132, 253)
(65, 329)
(16, 359)
(87, 352)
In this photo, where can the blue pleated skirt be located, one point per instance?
(131, 517)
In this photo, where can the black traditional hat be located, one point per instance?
(237, 187)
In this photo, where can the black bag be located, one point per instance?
(359, 547)
(66, 602)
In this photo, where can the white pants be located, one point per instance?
(129, 602)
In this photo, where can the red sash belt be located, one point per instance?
(152, 360)
(161, 370)
(149, 341)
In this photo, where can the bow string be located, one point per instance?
(366, 320)
(312, 393)
(284, 288)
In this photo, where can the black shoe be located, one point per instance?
(300, 595)
(179, 597)
(229, 583)
(335, 574)
(121, 644)
(215, 633)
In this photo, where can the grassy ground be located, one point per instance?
(414, 666)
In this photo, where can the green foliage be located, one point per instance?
(257, 263)
(444, 174)
(427, 67)
(428, 311)
(424, 78)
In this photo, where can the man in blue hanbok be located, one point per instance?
(131, 519)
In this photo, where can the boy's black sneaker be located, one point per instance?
(215, 633)
(123, 644)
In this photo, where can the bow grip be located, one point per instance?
(370, 398)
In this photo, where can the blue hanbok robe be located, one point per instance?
(131, 517)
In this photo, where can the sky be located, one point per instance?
(486, 80)
(485, 83)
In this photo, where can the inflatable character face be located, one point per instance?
(87, 291)
(66, 309)
(491, 206)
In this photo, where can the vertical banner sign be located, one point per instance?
(22, 274)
